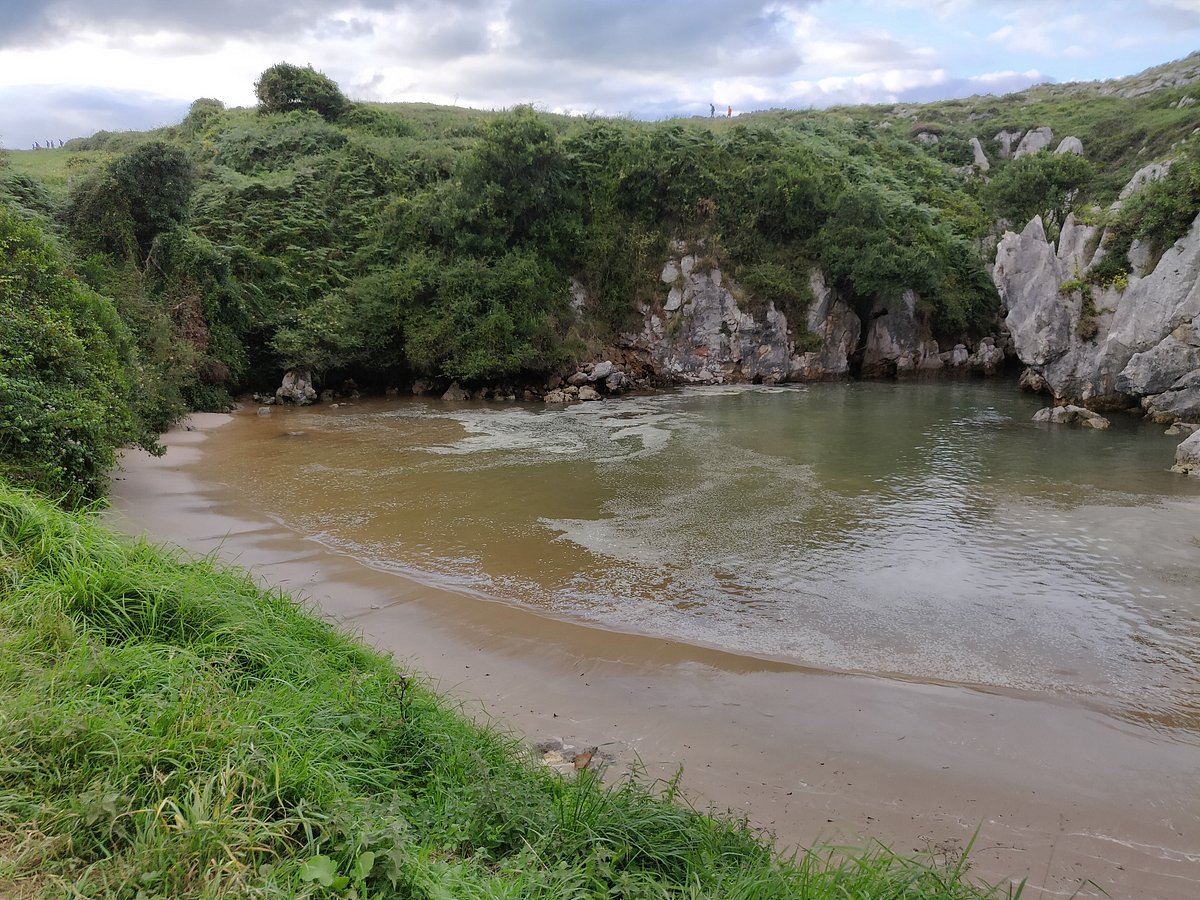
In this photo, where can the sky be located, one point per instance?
(71, 67)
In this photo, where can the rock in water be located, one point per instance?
(456, 392)
(297, 388)
(587, 392)
(1187, 456)
(1071, 415)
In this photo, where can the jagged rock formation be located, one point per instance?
(1105, 347)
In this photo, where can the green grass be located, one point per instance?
(56, 168)
(168, 729)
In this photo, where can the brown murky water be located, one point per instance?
(930, 532)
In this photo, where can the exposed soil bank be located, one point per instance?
(1061, 793)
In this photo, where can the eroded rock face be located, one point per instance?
(1121, 345)
(702, 335)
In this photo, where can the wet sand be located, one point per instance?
(1061, 794)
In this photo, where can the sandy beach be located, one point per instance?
(1072, 799)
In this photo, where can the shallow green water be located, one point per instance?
(927, 531)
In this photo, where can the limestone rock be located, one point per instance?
(556, 397)
(1034, 141)
(1006, 139)
(1071, 415)
(1125, 344)
(601, 370)
(297, 388)
(422, 386)
(928, 137)
(706, 336)
(837, 326)
(1187, 456)
(1070, 145)
(579, 378)
(981, 160)
(456, 392)
(1144, 176)
(587, 393)
(1155, 370)
(1181, 401)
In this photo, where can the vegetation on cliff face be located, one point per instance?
(172, 730)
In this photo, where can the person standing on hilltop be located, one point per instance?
(729, 112)
(712, 110)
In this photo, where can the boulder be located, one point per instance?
(588, 393)
(1155, 370)
(297, 388)
(1006, 139)
(981, 160)
(1071, 415)
(422, 386)
(1144, 176)
(601, 370)
(615, 383)
(579, 378)
(456, 392)
(1035, 140)
(1070, 145)
(556, 397)
(1181, 401)
(1176, 428)
(1187, 456)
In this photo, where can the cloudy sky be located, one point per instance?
(71, 67)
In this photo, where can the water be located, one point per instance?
(927, 532)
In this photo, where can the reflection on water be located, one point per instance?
(926, 531)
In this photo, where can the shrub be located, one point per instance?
(284, 87)
(64, 354)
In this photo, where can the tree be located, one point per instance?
(1044, 184)
(156, 179)
(284, 87)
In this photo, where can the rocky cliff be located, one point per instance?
(1133, 342)
(701, 333)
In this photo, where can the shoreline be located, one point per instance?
(1061, 793)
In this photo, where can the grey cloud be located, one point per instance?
(688, 35)
(41, 114)
(35, 22)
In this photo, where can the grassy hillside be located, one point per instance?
(171, 730)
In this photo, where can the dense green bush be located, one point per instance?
(65, 355)
(284, 88)
(1045, 184)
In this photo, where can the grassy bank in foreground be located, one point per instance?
(168, 729)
